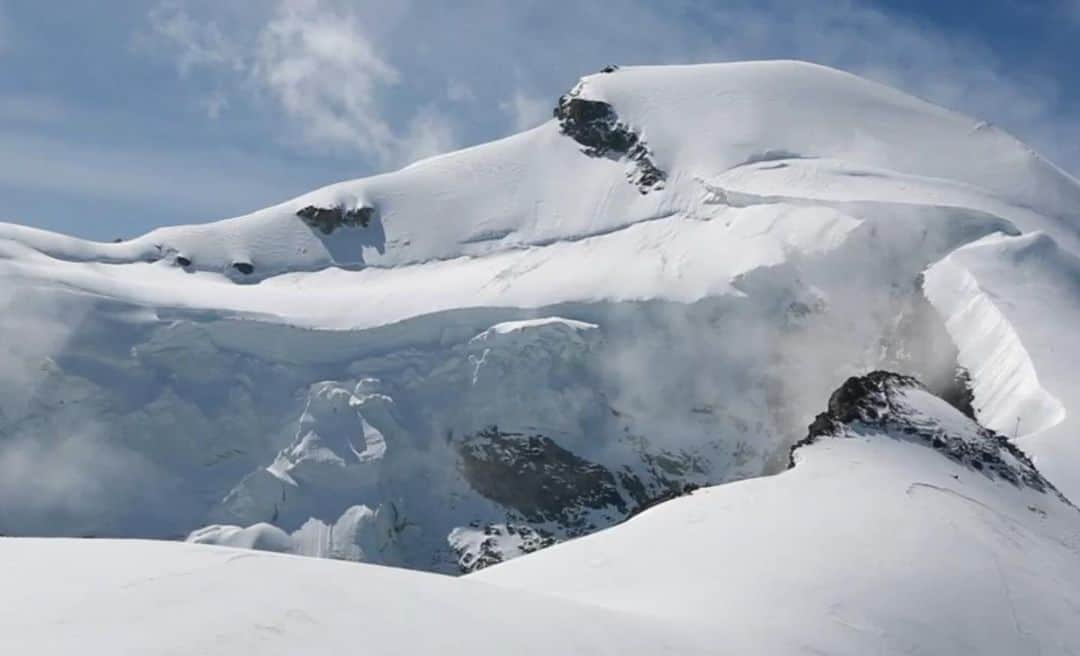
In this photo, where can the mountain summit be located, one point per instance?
(488, 352)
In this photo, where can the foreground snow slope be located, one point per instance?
(894, 533)
(65, 596)
(500, 348)
(903, 527)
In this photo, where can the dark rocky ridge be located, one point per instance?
(537, 478)
(875, 401)
(596, 126)
(551, 494)
(491, 549)
(328, 219)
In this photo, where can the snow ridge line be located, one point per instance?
(1009, 398)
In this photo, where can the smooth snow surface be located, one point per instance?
(66, 596)
(870, 545)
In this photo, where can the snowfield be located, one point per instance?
(554, 338)
(874, 542)
(870, 544)
(138, 597)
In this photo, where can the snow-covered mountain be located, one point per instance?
(496, 349)
(901, 527)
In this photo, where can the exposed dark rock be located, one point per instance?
(536, 477)
(493, 548)
(246, 268)
(664, 475)
(552, 494)
(610, 68)
(328, 219)
(596, 126)
(875, 401)
(688, 488)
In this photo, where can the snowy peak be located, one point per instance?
(628, 146)
(705, 118)
(885, 404)
(529, 340)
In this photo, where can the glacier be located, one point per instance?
(347, 351)
(523, 343)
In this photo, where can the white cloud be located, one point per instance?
(429, 133)
(350, 75)
(197, 44)
(325, 74)
(527, 111)
(315, 61)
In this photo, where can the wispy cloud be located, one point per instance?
(527, 111)
(352, 75)
(322, 69)
(318, 66)
(197, 43)
(428, 133)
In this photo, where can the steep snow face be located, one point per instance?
(903, 527)
(493, 350)
(1012, 305)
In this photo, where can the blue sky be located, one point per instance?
(121, 115)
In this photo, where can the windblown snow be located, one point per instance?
(495, 350)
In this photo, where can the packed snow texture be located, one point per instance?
(65, 596)
(874, 543)
(365, 371)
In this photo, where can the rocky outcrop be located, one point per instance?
(596, 126)
(535, 477)
(478, 546)
(328, 219)
(899, 407)
(553, 494)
